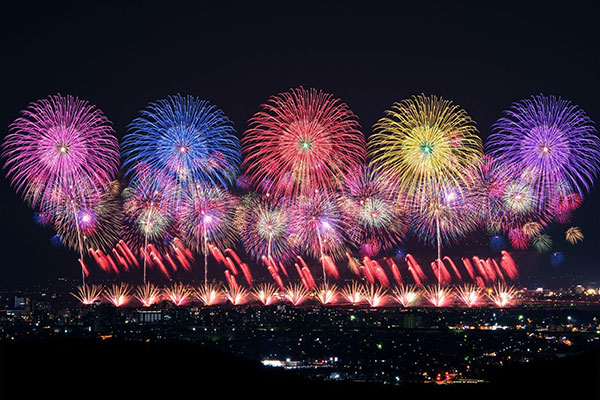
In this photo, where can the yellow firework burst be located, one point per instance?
(425, 140)
(574, 235)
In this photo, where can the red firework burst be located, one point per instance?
(303, 140)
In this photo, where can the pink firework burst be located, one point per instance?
(60, 143)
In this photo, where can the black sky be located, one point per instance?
(122, 55)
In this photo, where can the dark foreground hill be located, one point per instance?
(123, 370)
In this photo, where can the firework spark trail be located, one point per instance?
(414, 273)
(509, 266)
(366, 270)
(88, 294)
(148, 294)
(247, 274)
(454, 268)
(353, 264)
(284, 270)
(468, 267)
(395, 270)
(416, 266)
(84, 269)
(380, 274)
(217, 254)
(481, 268)
(406, 295)
(480, 282)
(231, 266)
(499, 273)
(440, 272)
(330, 267)
(117, 295)
(489, 269)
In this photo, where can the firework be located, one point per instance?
(439, 296)
(147, 214)
(62, 143)
(88, 294)
(550, 143)
(209, 294)
(177, 293)
(374, 295)
(95, 225)
(60, 156)
(185, 139)
(444, 215)
(469, 294)
(263, 225)
(117, 295)
(236, 295)
(532, 229)
(206, 216)
(326, 294)
(318, 226)
(353, 293)
(518, 239)
(266, 294)
(542, 243)
(148, 294)
(574, 235)
(502, 295)
(302, 141)
(497, 243)
(425, 141)
(374, 208)
(406, 295)
(295, 294)
(557, 258)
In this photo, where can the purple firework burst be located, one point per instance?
(551, 143)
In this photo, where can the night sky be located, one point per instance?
(122, 56)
